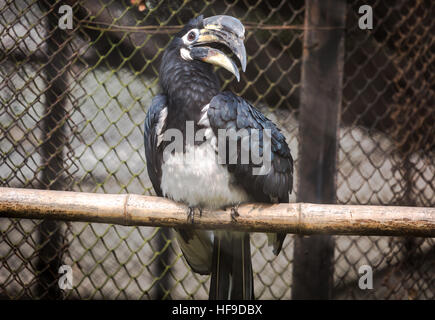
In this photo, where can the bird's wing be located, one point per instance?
(197, 245)
(155, 123)
(229, 111)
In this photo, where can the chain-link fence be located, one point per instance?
(73, 103)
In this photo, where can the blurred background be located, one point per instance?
(72, 109)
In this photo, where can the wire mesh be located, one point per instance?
(73, 103)
(387, 144)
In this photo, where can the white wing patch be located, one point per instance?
(204, 121)
(159, 127)
(208, 134)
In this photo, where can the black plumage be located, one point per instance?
(228, 110)
(190, 92)
(153, 153)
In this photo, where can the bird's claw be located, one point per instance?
(234, 213)
(191, 214)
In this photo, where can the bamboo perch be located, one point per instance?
(137, 210)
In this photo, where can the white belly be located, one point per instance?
(197, 179)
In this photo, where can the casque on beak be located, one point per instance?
(225, 30)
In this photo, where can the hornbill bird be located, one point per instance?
(191, 94)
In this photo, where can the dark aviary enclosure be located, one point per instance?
(358, 115)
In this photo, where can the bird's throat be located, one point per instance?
(188, 85)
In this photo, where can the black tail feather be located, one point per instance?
(221, 268)
(242, 280)
(232, 276)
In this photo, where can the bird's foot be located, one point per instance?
(191, 213)
(234, 212)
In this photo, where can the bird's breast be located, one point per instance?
(197, 179)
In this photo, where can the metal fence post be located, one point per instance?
(321, 96)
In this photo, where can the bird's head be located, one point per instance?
(192, 41)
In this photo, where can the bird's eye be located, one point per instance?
(191, 36)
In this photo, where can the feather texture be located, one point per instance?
(191, 93)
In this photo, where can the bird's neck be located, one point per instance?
(188, 85)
